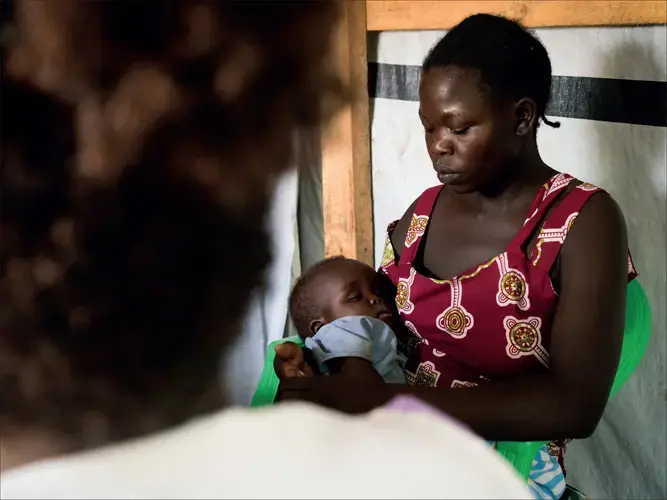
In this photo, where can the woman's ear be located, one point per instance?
(525, 112)
(315, 325)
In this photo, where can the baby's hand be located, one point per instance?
(290, 362)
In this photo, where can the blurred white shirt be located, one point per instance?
(289, 451)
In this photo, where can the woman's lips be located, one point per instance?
(446, 177)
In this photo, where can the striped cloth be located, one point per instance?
(546, 479)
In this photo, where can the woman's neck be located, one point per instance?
(523, 172)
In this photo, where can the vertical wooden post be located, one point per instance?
(346, 170)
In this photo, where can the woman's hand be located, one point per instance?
(291, 362)
(337, 392)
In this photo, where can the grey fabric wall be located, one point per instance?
(309, 229)
(610, 97)
(267, 314)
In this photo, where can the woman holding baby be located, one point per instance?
(509, 275)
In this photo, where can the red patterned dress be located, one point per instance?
(492, 322)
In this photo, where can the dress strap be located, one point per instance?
(558, 224)
(419, 223)
(545, 198)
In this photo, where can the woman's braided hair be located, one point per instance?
(141, 141)
(511, 60)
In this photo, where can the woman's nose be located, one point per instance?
(441, 143)
(374, 300)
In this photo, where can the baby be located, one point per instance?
(337, 310)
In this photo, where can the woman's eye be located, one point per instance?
(354, 297)
(461, 131)
(428, 128)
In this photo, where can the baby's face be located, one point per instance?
(351, 288)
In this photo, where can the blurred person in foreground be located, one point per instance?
(141, 142)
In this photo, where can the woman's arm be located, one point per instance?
(357, 368)
(587, 334)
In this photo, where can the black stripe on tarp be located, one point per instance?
(636, 102)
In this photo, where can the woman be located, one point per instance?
(505, 294)
(141, 141)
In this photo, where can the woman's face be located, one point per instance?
(469, 137)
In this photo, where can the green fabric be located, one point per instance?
(635, 340)
(519, 454)
(267, 389)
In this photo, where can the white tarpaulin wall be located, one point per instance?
(609, 95)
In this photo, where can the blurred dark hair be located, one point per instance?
(141, 142)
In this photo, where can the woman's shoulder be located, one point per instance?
(398, 230)
(421, 206)
(596, 228)
(600, 218)
(369, 449)
(255, 453)
(591, 205)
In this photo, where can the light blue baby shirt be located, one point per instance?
(360, 337)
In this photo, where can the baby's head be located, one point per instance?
(335, 288)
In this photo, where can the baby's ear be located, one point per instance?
(315, 325)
